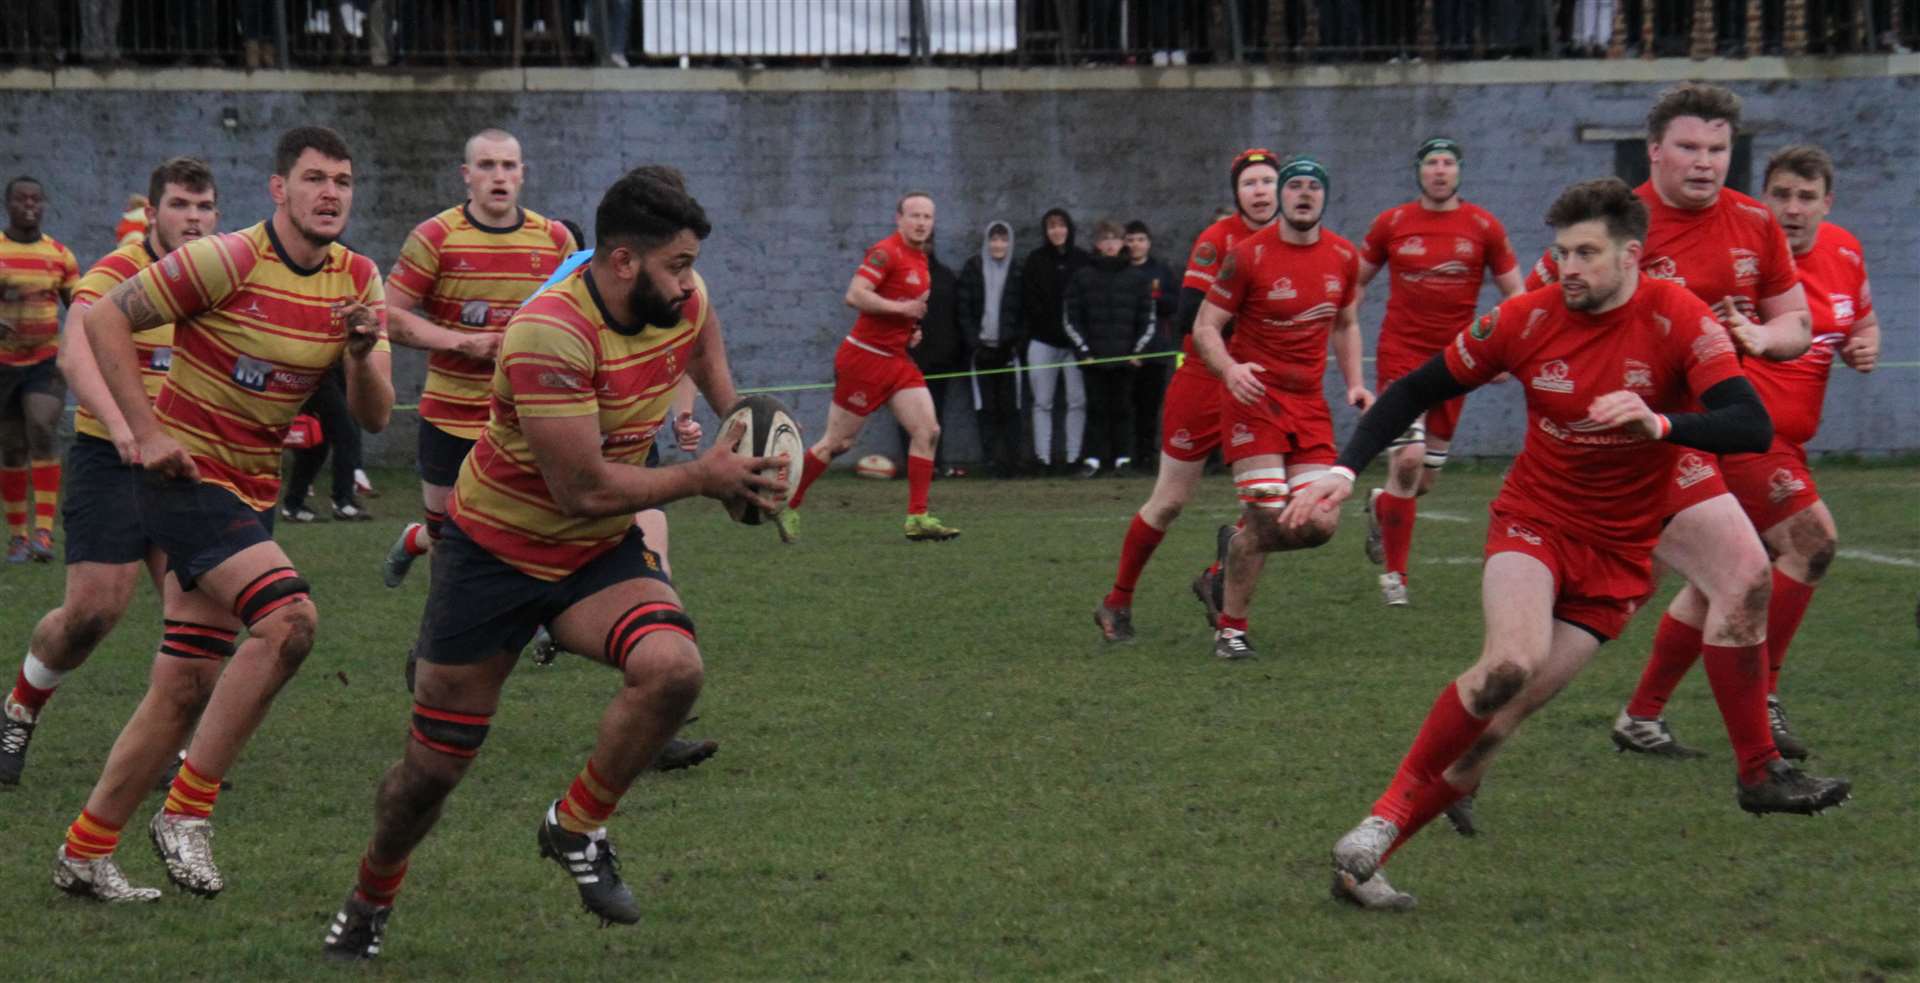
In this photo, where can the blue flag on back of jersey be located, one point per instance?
(566, 269)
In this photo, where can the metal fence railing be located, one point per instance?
(812, 33)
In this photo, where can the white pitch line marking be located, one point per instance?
(1872, 557)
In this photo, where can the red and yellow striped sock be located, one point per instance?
(589, 802)
(46, 493)
(192, 793)
(90, 838)
(379, 883)
(13, 492)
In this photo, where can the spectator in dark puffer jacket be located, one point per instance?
(1109, 315)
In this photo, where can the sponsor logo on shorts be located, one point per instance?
(1283, 290)
(1181, 439)
(858, 399)
(1693, 469)
(1522, 533)
(1242, 434)
(1553, 378)
(474, 313)
(1746, 265)
(1639, 376)
(1413, 246)
(1784, 484)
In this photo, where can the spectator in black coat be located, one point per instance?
(1109, 315)
(989, 315)
(1044, 279)
(942, 350)
(1150, 380)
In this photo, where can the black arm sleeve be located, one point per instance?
(1397, 408)
(1735, 422)
(1190, 301)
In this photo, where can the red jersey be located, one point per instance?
(1203, 266)
(1602, 484)
(898, 272)
(1834, 273)
(1732, 248)
(1284, 300)
(1436, 261)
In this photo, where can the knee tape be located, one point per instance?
(457, 734)
(1435, 459)
(268, 593)
(187, 640)
(642, 620)
(1262, 488)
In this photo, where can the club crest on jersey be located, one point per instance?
(1204, 254)
(1692, 470)
(1181, 439)
(1282, 290)
(1463, 247)
(1783, 485)
(1663, 268)
(1746, 265)
(474, 313)
(1334, 287)
(1553, 378)
(1483, 328)
(1228, 267)
(1639, 376)
(1242, 434)
(1414, 246)
(877, 259)
(1522, 533)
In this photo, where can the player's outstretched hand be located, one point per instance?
(686, 432)
(733, 477)
(1322, 495)
(1625, 409)
(363, 327)
(1861, 352)
(164, 454)
(1242, 382)
(1360, 398)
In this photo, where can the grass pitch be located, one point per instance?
(931, 768)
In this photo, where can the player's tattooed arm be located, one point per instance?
(132, 302)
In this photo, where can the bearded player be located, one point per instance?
(1435, 250)
(1612, 361)
(1291, 290)
(1190, 413)
(105, 548)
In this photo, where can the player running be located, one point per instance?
(540, 531)
(259, 315)
(105, 547)
(1776, 488)
(1610, 362)
(1291, 290)
(1436, 249)
(872, 369)
(460, 276)
(37, 273)
(1190, 413)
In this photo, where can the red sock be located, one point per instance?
(46, 493)
(1429, 799)
(1142, 539)
(1448, 732)
(1676, 645)
(1229, 621)
(1784, 611)
(379, 884)
(1395, 515)
(919, 479)
(810, 471)
(28, 695)
(1738, 675)
(13, 491)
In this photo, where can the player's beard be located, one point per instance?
(1451, 193)
(653, 308)
(314, 239)
(1299, 226)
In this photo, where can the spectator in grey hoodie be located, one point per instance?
(989, 302)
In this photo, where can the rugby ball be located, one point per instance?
(770, 431)
(876, 466)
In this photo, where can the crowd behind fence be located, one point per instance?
(259, 34)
